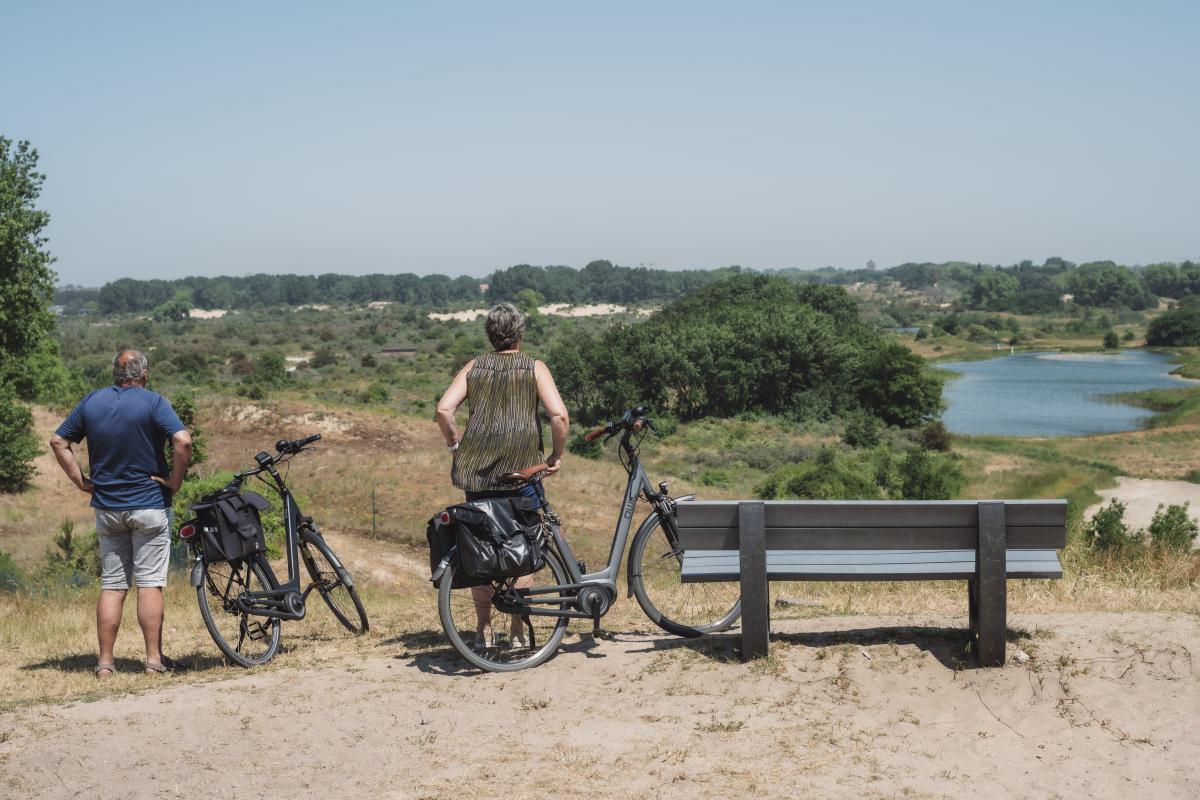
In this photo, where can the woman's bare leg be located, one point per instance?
(482, 595)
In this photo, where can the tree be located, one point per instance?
(26, 289)
(270, 369)
(26, 280)
(1111, 342)
(179, 307)
(18, 447)
(1178, 328)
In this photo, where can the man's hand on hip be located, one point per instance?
(172, 486)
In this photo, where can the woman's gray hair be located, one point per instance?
(505, 326)
(128, 366)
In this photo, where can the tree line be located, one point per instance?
(1023, 288)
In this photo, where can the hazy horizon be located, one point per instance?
(298, 138)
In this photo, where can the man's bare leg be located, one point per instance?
(108, 621)
(150, 618)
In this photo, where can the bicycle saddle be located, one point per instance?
(525, 475)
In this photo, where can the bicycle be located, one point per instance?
(243, 603)
(541, 609)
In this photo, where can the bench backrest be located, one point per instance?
(872, 524)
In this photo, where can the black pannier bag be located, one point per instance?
(442, 533)
(230, 527)
(496, 538)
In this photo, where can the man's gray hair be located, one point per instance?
(128, 366)
(505, 326)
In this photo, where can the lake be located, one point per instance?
(1053, 394)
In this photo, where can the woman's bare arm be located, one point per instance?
(556, 410)
(451, 400)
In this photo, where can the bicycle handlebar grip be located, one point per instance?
(307, 440)
(595, 434)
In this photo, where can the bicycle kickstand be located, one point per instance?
(597, 632)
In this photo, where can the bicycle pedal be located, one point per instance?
(256, 631)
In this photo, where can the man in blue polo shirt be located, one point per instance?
(126, 427)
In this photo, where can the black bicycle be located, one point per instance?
(242, 602)
(540, 606)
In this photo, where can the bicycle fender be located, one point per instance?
(646, 523)
(197, 576)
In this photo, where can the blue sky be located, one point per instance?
(231, 138)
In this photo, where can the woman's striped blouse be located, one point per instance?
(503, 433)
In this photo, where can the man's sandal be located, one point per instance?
(164, 664)
(110, 668)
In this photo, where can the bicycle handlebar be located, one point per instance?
(283, 446)
(632, 420)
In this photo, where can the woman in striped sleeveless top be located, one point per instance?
(503, 433)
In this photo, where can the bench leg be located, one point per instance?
(756, 611)
(972, 610)
(991, 573)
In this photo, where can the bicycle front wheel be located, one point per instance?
(508, 642)
(333, 582)
(245, 639)
(684, 609)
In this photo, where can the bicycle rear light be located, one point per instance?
(445, 517)
(187, 531)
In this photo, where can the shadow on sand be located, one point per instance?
(86, 662)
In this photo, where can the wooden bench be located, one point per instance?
(983, 543)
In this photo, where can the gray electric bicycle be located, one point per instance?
(243, 603)
(534, 611)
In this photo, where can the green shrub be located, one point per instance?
(826, 477)
(1172, 528)
(375, 394)
(934, 436)
(716, 477)
(862, 430)
(581, 447)
(75, 557)
(930, 476)
(324, 357)
(1111, 342)
(184, 403)
(270, 369)
(18, 445)
(11, 577)
(273, 526)
(1107, 529)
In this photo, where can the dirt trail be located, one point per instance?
(1105, 708)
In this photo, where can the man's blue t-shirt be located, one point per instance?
(126, 428)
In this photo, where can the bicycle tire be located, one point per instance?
(225, 581)
(333, 583)
(683, 609)
(493, 658)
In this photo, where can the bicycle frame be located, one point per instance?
(637, 485)
(281, 601)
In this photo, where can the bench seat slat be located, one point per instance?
(871, 538)
(871, 513)
(716, 565)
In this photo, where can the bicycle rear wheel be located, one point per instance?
(461, 613)
(684, 609)
(333, 582)
(245, 639)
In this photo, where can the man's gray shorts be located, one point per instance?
(134, 546)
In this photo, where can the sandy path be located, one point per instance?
(1142, 498)
(1105, 708)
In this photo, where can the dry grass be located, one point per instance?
(47, 638)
